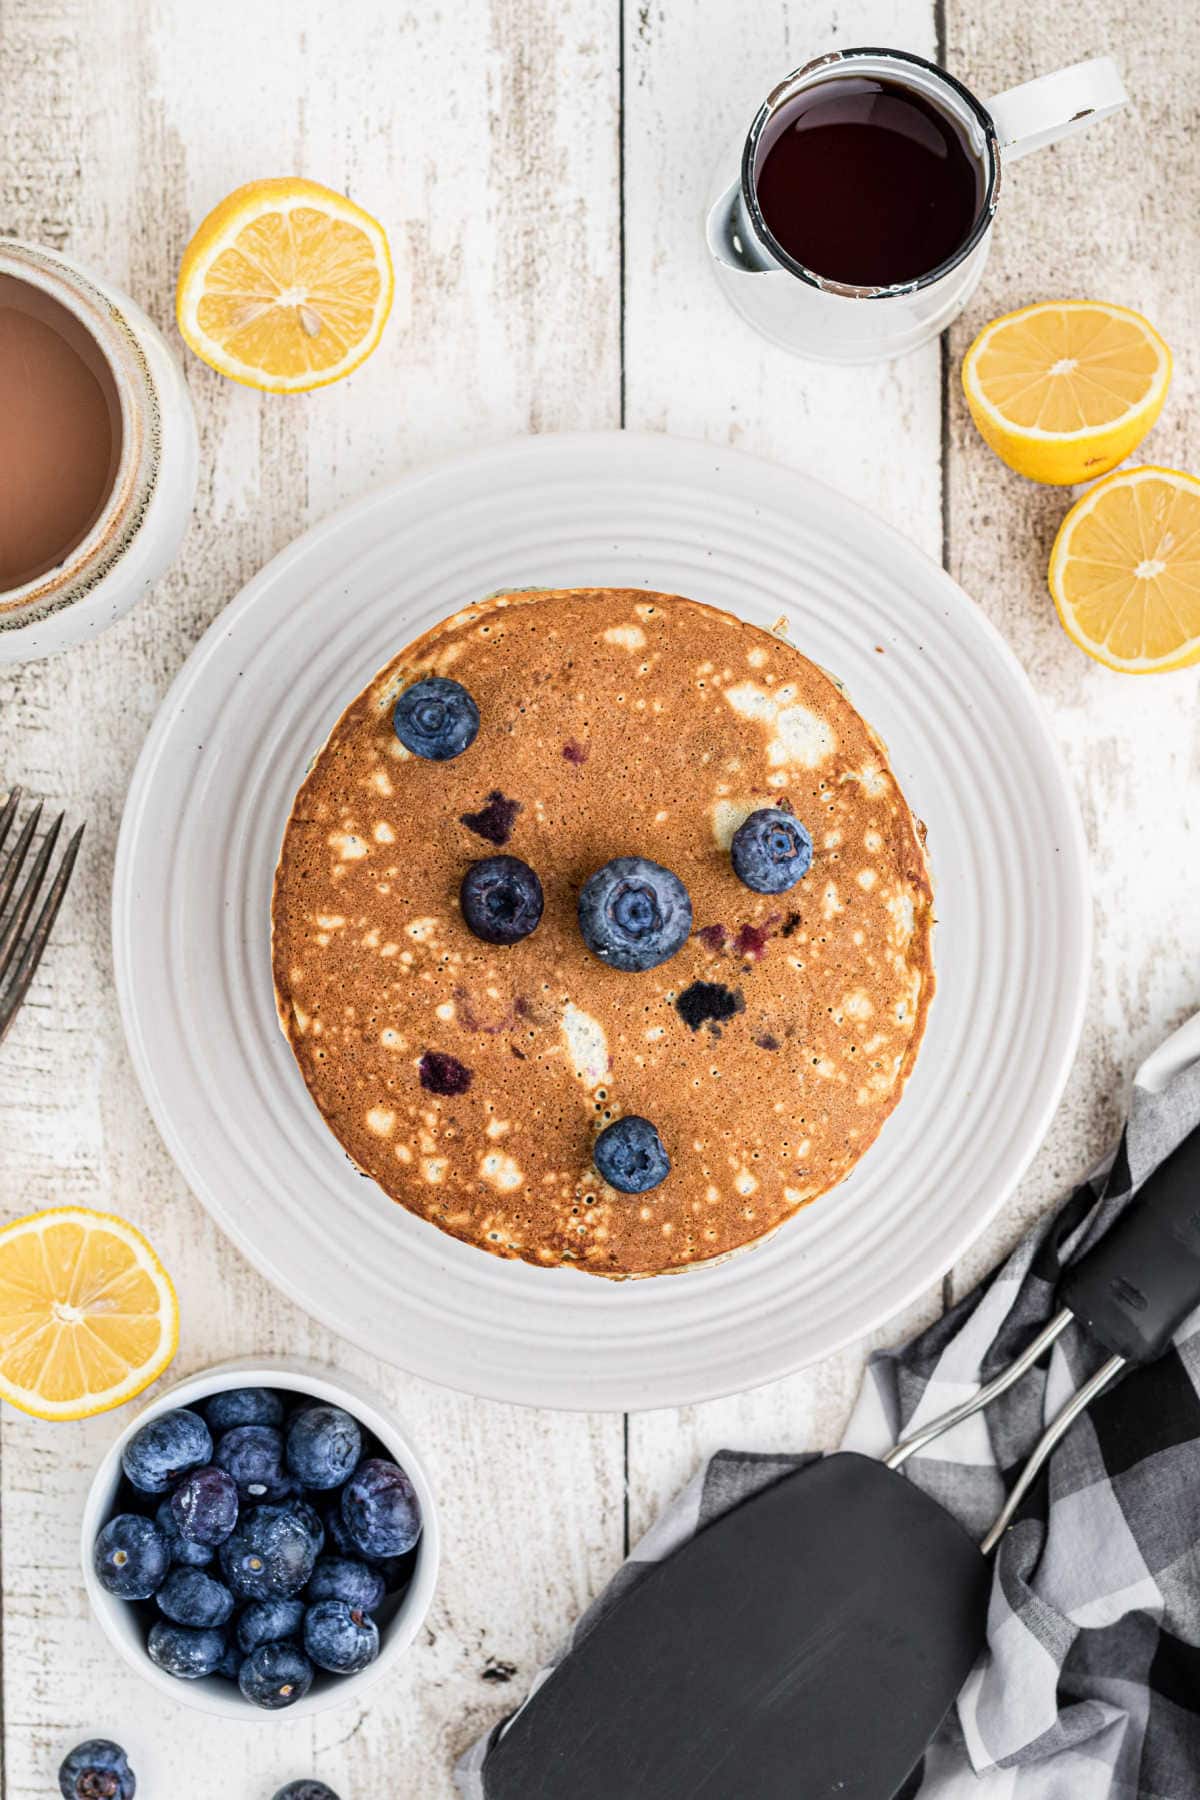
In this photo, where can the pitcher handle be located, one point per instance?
(730, 239)
(1056, 106)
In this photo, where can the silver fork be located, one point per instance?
(22, 944)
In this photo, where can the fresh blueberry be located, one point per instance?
(436, 718)
(634, 914)
(629, 1154)
(243, 1406)
(311, 1520)
(180, 1549)
(270, 1555)
(339, 1578)
(131, 1557)
(97, 1770)
(205, 1505)
(381, 1509)
(275, 1675)
(166, 1448)
(323, 1446)
(268, 1622)
(253, 1456)
(340, 1638)
(501, 900)
(771, 851)
(230, 1664)
(306, 1790)
(190, 1597)
(184, 1652)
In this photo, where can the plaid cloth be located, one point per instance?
(1090, 1685)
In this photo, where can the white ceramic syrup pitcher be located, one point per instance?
(832, 321)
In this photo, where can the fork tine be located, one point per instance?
(32, 954)
(11, 934)
(9, 813)
(13, 866)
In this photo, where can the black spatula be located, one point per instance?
(810, 1642)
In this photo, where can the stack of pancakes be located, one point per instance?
(470, 1080)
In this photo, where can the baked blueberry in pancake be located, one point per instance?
(711, 915)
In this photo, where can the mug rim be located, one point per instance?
(119, 518)
(851, 290)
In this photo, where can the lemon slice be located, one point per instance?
(1125, 571)
(1065, 391)
(285, 286)
(88, 1316)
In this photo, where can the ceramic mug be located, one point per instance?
(141, 525)
(833, 321)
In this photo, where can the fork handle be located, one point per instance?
(1135, 1289)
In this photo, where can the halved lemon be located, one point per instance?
(285, 286)
(1066, 390)
(1125, 571)
(88, 1315)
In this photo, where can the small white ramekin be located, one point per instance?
(399, 1619)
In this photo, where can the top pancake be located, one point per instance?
(768, 1052)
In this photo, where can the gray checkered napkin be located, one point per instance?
(1089, 1688)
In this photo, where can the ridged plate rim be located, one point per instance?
(971, 748)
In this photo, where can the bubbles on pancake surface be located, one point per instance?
(501, 899)
(436, 718)
(630, 1156)
(771, 851)
(634, 914)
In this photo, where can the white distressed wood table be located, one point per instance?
(540, 166)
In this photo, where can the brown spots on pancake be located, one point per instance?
(443, 1074)
(767, 1042)
(789, 924)
(494, 822)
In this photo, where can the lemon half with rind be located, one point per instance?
(88, 1315)
(1125, 571)
(1066, 390)
(285, 286)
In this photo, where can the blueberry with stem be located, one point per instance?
(96, 1770)
(130, 1557)
(340, 1638)
(275, 1676)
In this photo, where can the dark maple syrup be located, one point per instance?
(867, 182)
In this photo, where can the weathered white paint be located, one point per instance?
(488, 140)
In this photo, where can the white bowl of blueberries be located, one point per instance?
(261, 1537)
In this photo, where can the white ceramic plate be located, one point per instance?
(206, 813)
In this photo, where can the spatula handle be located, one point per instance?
(1134, 1290)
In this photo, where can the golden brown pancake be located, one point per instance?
(768, 1052)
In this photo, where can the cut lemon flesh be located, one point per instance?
(88, 1315)
(1125, 571)
(1065, 391)
(285, 286)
